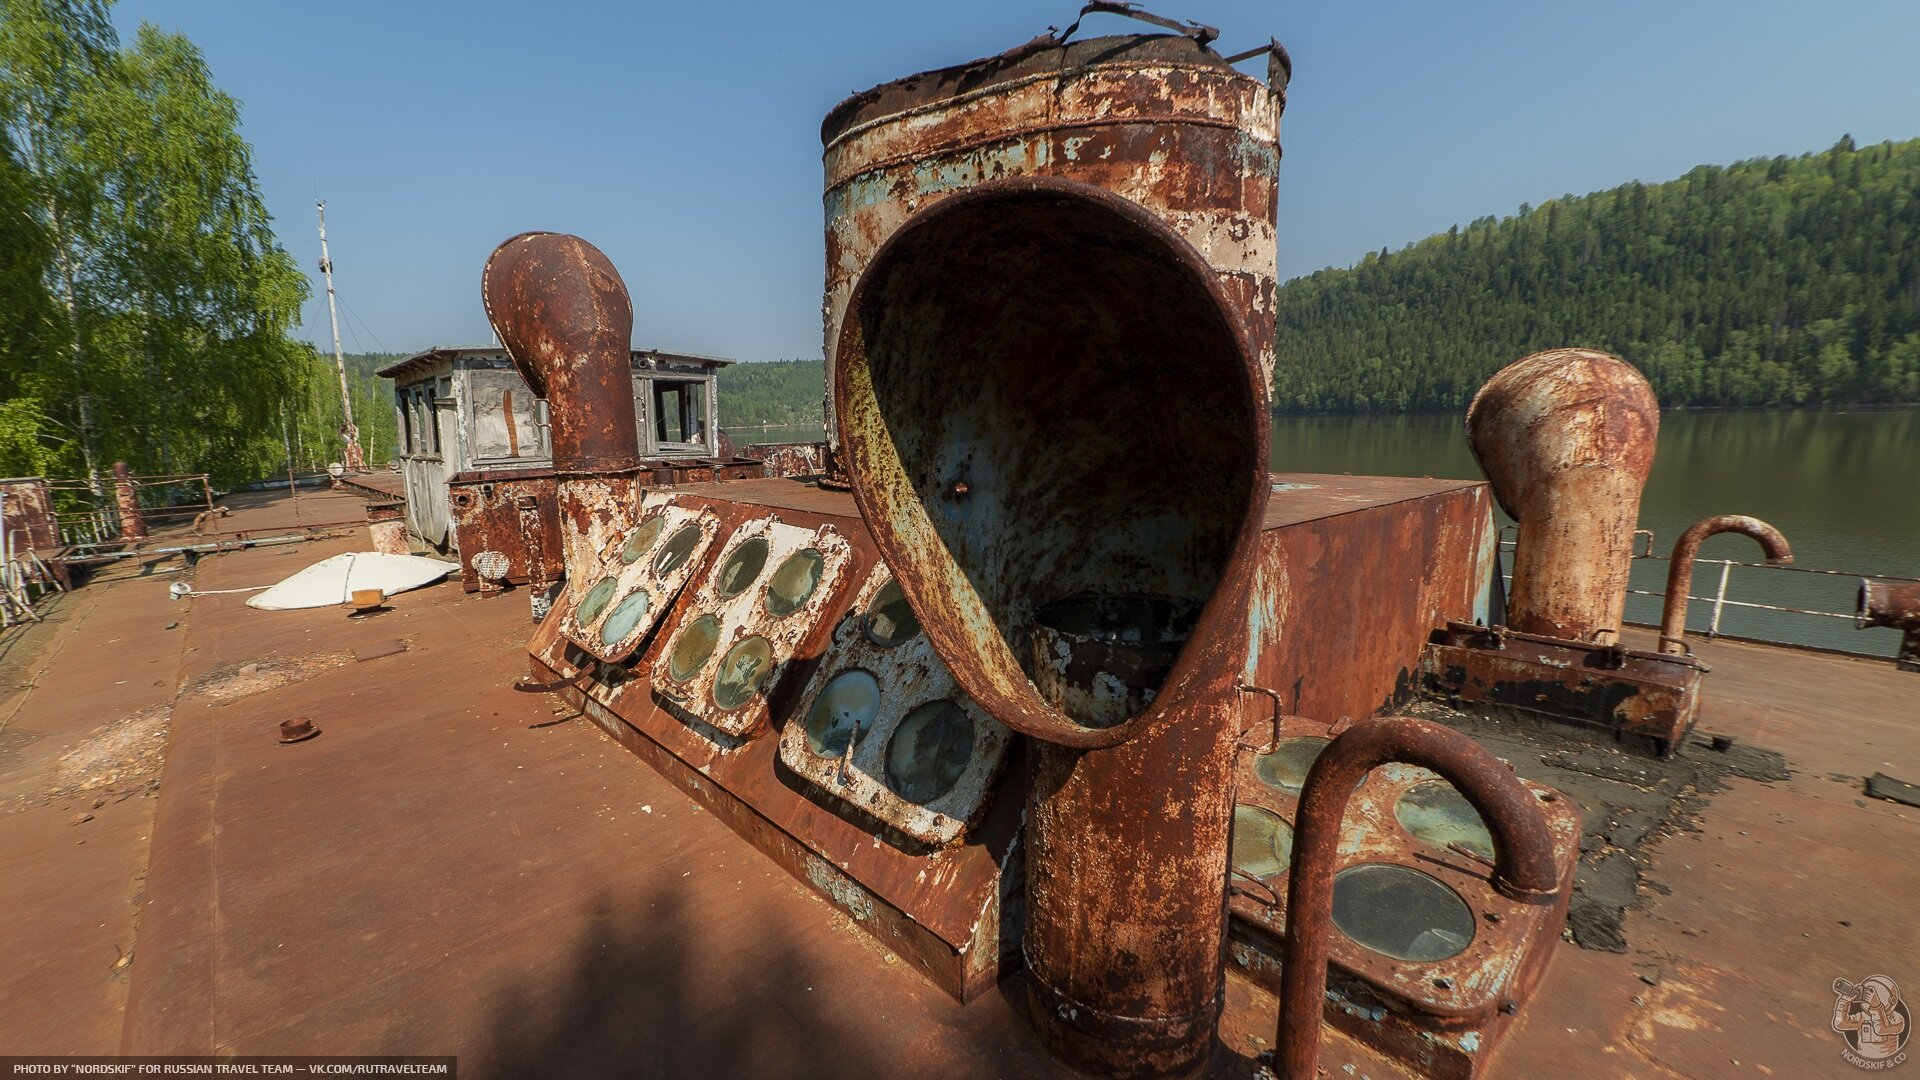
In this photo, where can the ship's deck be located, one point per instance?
(452, 868)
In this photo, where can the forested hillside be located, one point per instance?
(1769, 282)
(776, 392)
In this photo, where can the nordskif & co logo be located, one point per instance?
(1873, 1019)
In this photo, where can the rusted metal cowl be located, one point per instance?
(1037, 264)
(564, 316)
(1567, 439)
(566, 320)
(992, 357)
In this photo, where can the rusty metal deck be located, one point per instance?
(437, 874)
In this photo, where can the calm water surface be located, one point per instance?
(1843, 485)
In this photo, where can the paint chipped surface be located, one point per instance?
(762, 563)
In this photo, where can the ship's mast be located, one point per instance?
(355, 458)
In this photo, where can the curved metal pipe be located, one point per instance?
(1523, 853)
(566, 320)
(1673, 616)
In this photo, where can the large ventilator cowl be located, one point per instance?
(1567, 438)
(1008, 354)
(1008, 357)
(566, 320)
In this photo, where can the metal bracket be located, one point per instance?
(527, 686)
(1199, 32)
(1258, 891)
(1273, 736)
(1279, 67)
(1685, 649)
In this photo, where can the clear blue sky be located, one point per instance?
(683, 139)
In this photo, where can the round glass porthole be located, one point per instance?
(889, 620)
(692, 648)
(929, 751)
(595, 602)
(1285, 769)
(1262, 842)
(845, 705)
(1436, 812)
(794, 581)
(626, 615)
(678, 547)
(742, 670)
(641, 540)
(1400, 912)
(742, 567)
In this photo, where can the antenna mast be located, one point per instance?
(355, 458)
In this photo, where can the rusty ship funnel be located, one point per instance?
(1567, 439)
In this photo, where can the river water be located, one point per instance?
(1842, 484)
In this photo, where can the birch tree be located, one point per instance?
(163, 335)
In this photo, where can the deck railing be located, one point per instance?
(1724, 597)
(178, 496)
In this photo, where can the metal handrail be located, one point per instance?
(92, 527)
(1719, 600)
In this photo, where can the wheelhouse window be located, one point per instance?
(419, 430)
(679, 415)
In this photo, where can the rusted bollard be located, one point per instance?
(1673, 615)
(387, 527)
(1567, 439)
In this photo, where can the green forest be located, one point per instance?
(146, 308)
(776, 392)
(1782, 281)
